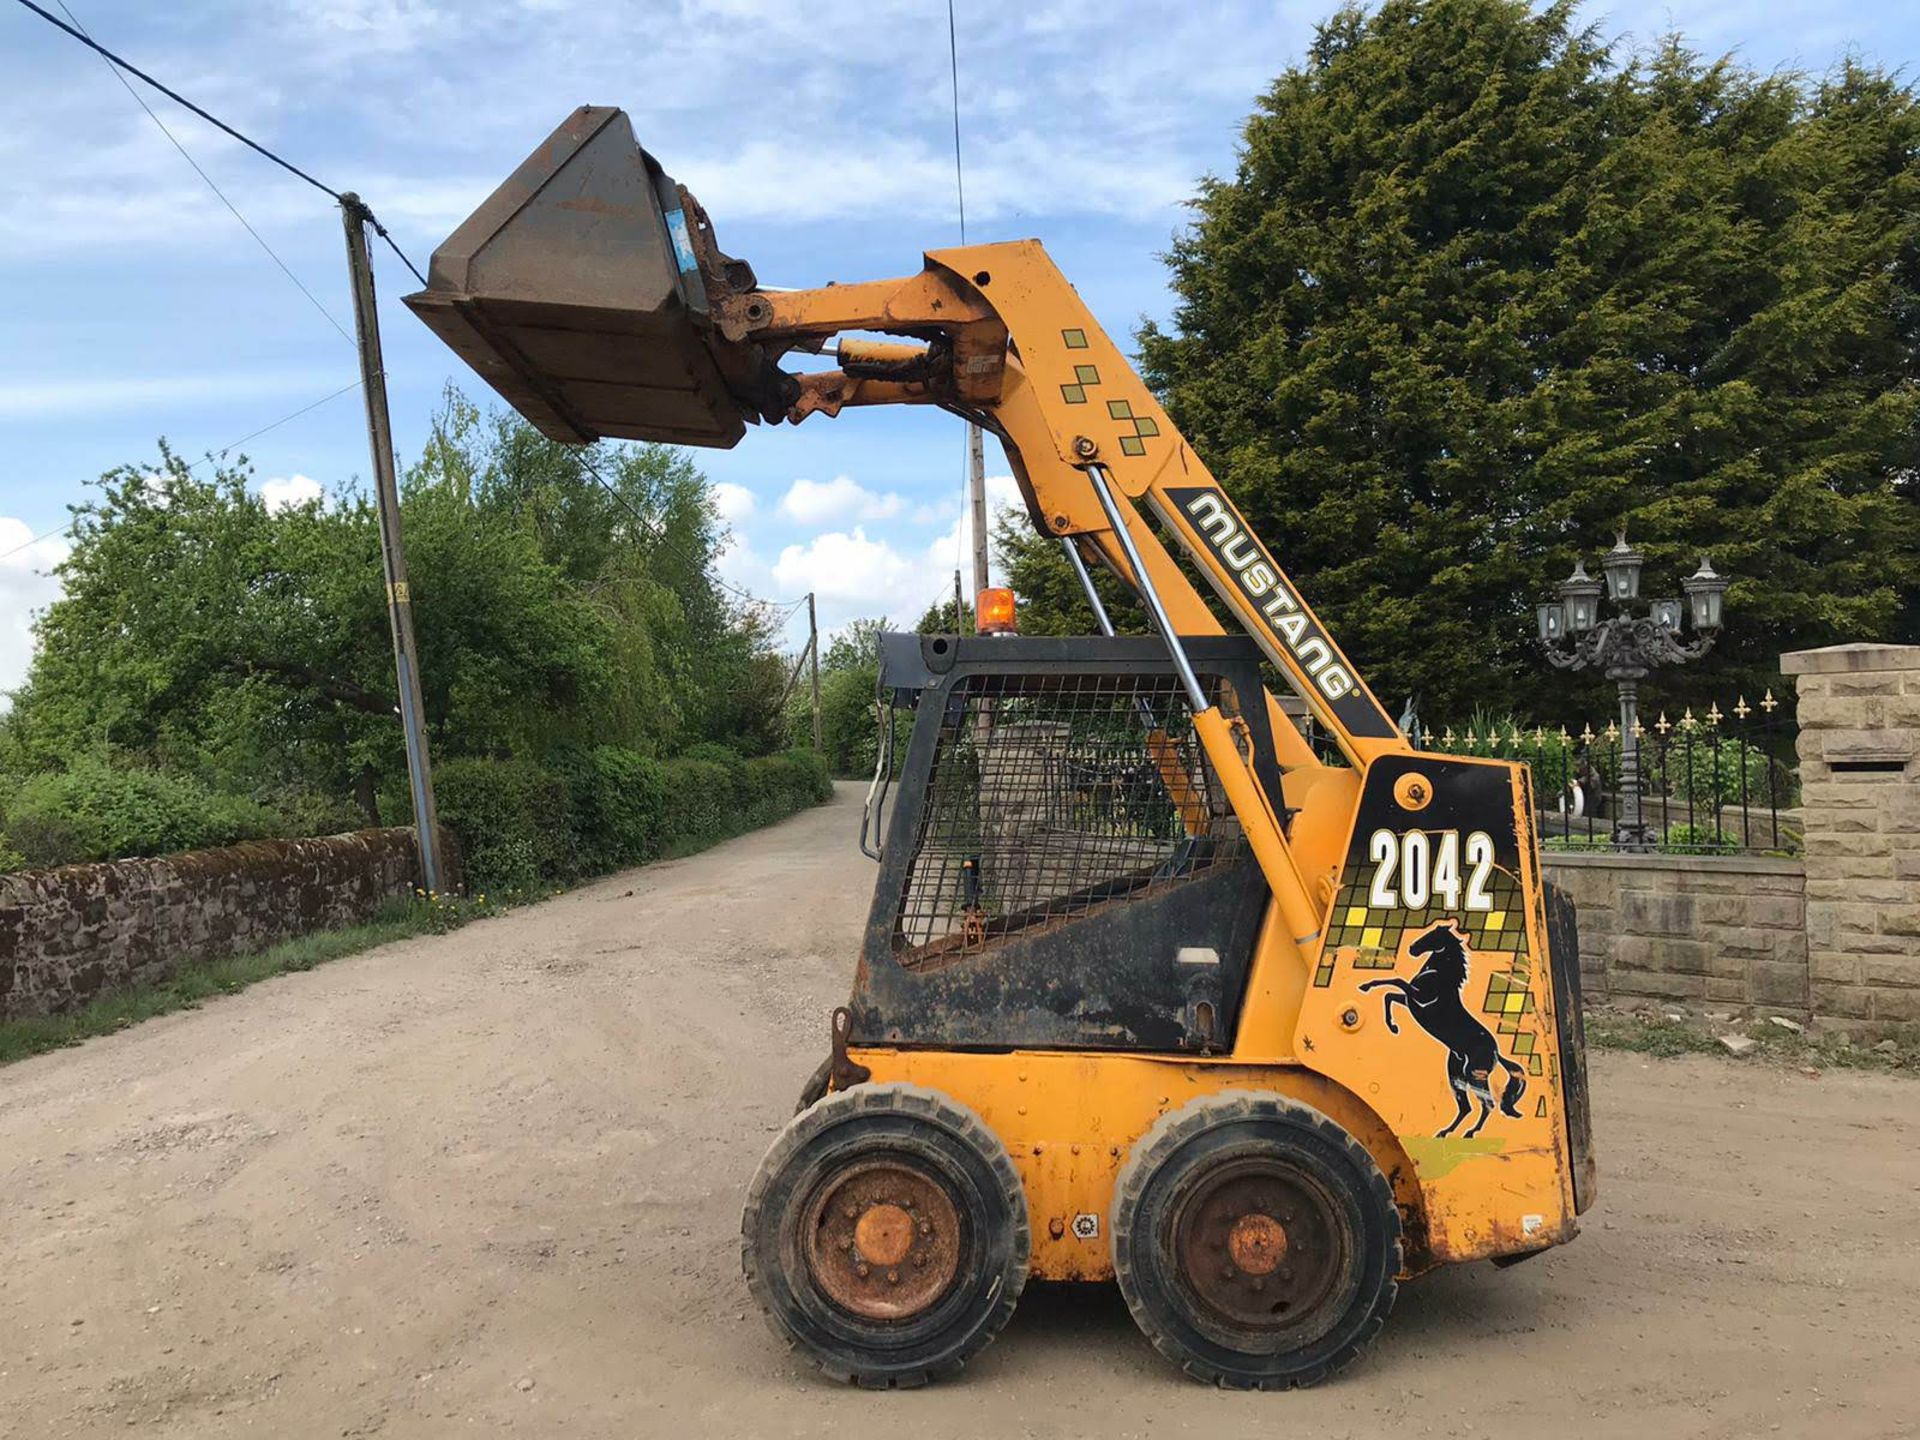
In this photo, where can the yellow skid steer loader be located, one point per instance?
(1149, 991)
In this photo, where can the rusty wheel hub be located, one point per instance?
(1259, 1244)
(883, 1240)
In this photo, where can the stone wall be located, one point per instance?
(69, 933)
(1860, 784)
(1728, 932)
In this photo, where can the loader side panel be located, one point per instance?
(1437, 996)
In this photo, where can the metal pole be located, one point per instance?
(1630, 830)
(977, 495)
(393, 554)
(1196, 695)
(813, 650)
(1100, 616)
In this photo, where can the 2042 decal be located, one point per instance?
(1413, 869)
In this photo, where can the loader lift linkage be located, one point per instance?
(1149, 991)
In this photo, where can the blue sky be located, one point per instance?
(820, 141)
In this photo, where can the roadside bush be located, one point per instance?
(618, 800)
(522, 825)
(95, 810)
(511, 818)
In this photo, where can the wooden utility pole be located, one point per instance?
(393, 554)
(813, 650)
(977, 497)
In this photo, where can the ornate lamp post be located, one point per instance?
(1627, 647)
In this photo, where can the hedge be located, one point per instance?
(96, 810)
(521, 825)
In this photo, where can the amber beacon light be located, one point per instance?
(993, 612)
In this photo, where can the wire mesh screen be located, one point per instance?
(1051, 795)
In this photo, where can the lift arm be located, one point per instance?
(591, 291)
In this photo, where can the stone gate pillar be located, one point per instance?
(1860, 789)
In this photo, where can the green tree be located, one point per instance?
(1478, 291)
(202, 634)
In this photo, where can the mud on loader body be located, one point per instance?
(1149, 991)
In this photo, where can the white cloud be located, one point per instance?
(734, 502)
(25, 586)
(841, 498)
(861, 572)
(288, 492)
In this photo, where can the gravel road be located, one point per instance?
(488, 1183)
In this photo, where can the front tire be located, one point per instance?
(885, 1235)
(1256, 1242)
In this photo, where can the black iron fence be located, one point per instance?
(1721, 782)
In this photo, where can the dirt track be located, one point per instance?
(490, 1182)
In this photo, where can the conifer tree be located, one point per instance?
(1479, 291)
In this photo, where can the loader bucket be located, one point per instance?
(575, 291)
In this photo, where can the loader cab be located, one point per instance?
(1060, 868)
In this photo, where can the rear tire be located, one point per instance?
(885, 1235)
(1255, 1241)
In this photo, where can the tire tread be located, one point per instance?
(1168, 1134)
(958, 1121)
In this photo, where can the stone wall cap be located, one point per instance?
(1719, 864)
(1844, 659)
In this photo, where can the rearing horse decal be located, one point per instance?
(1432, 997)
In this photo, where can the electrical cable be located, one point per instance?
(259, 239)
(365, 213)
(221, 453)
(953, 61)
(660, 538)
(219, 124)
(960, 191)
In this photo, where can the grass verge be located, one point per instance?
(1661, 1034)
(29, 1035)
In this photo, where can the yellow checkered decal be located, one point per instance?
(1144, 427)
(1370, 939)
(1355, 923)
(1085, 377)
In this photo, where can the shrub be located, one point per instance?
(617, 802)
(96, 810)
(712, 752)
(1709, 772)
(1698, 840)
(511, 818)
(1554, 762)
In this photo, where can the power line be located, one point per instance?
(260, 240)
(215, 121)
(953, 59)
(659, 537)
(284, 419)
(221, 453)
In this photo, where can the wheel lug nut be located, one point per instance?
(862, 1270)
(893, 1277)
(919, 1259)
(926, 1227)
(852, 1212)
(1226, 1272)
(1259, 1285)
